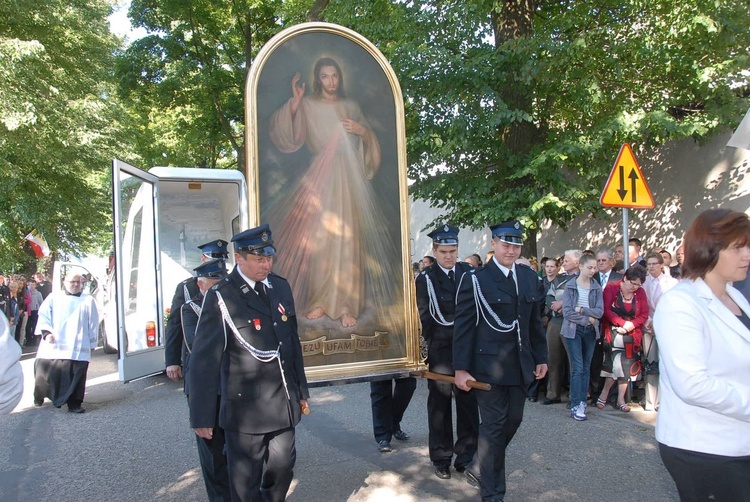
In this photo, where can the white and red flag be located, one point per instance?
(38, 244)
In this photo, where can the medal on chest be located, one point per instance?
(256, 323)
(283, 312)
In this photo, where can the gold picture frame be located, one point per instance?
(326, 168)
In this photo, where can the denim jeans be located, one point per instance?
(580, 350)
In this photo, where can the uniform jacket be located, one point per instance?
(189, 323)
(704, 376)
(491, 356)
(174, 350)
(571, 318)
(253, 400)
(439, 338)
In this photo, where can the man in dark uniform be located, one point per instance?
(247, 345)
(186, 291)
(498, 338)
(389, 400)
(211, 453)
(436, 301)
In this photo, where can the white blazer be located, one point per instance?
(704, 363)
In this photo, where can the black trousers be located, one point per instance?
(246, 454)
(440, 421)
(597, 382)
(701, 476)
(63, 381)
(389, 403)
(213, 460)
(501, 409)
(30, 327)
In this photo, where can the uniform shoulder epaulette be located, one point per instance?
(221, 283)
(525, 266)
(277, 276)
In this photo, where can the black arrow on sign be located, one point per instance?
(633, 176)
(622, 192)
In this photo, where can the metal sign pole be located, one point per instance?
(625, 238)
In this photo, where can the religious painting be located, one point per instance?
(326, 170)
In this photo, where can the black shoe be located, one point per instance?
(76, 410)
(384, 446)
(442, 471)
(471, 478)
(38, 403)
(459, 469)
(546, 401)
(533, 400)
(401, 435)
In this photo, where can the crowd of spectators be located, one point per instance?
(20, 299)
(617, 313)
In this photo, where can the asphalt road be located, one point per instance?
(133, 444)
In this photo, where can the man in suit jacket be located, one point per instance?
(604, 263)
(505, 345)
(436, 301)
(247, 345)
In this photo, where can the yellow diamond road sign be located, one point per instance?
(626, 186)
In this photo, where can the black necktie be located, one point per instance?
(260, 288)
(510, 276)
(451, 276)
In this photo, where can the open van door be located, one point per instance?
(140, 324)
(161, 217)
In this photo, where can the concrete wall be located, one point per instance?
(684, 177)
(469, 241)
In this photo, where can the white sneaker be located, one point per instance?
(579, 412)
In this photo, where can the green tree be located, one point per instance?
(185, 81)
(517, 108)
(513, 108)
(58, 127)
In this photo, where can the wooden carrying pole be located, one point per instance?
(447, 378)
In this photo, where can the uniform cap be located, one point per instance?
(444, 235)
(510, 232)
(215, 249)
(215, 269)
(256, 241)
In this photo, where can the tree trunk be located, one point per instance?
(317, 9)
(511, 20)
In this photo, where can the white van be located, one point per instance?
(160, 218)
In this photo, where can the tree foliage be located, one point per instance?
(58, 127)
(185, 80)
(517, 109)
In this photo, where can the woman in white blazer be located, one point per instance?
(703, 329)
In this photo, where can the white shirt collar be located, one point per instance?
(252, 282)
(505, 270)
(446, 270)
